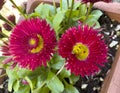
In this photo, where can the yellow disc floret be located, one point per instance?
(32, 41)
(81, 51)
(40, 45)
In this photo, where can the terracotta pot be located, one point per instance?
(112, 81)
(111, 9)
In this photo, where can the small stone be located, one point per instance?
(113, 43)
(117, 28)
(111, 25)
(84, 86)
(107, 33)
(101, 79)
(115, 36)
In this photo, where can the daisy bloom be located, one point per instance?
(6, 52)
(32, 43)
(83, 49)
(5, 49)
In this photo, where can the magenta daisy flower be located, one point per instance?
(93, 1)
(83, 49)
(6, 52)
(32, 43)
(5, 49)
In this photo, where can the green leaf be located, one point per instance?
(23, 89)
(76, 5)
(12, 74)
(65, 73)
(16, 85)
(41, 79)
(44, 89)
(23, 72)
(34, 15)
(32, 81)
(82, 9)
(10, 84)
(45, 10)
(63, 5)
(57, 20)
(73, 79)
(57, 62)
(92, 19)
(54, 84)
(93, 23)
(75, 13)
(96, 14)
(70, 89)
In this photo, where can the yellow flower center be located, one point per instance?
(32, 41)
(40, 44)
(81, 51)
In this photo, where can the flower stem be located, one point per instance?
(89, 11)
(68, 3)
(18, 8)
(60, 69)
(54, 5)
(61, 5)
(3, 34)
(65, 81)
(70, 12)
(3, 75)
(6, 20)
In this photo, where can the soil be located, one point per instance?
(92, 84)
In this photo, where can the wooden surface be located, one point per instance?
(112, 81)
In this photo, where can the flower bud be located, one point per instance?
(12, 19)
(1, 3)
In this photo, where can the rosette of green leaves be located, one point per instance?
(54, 78)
